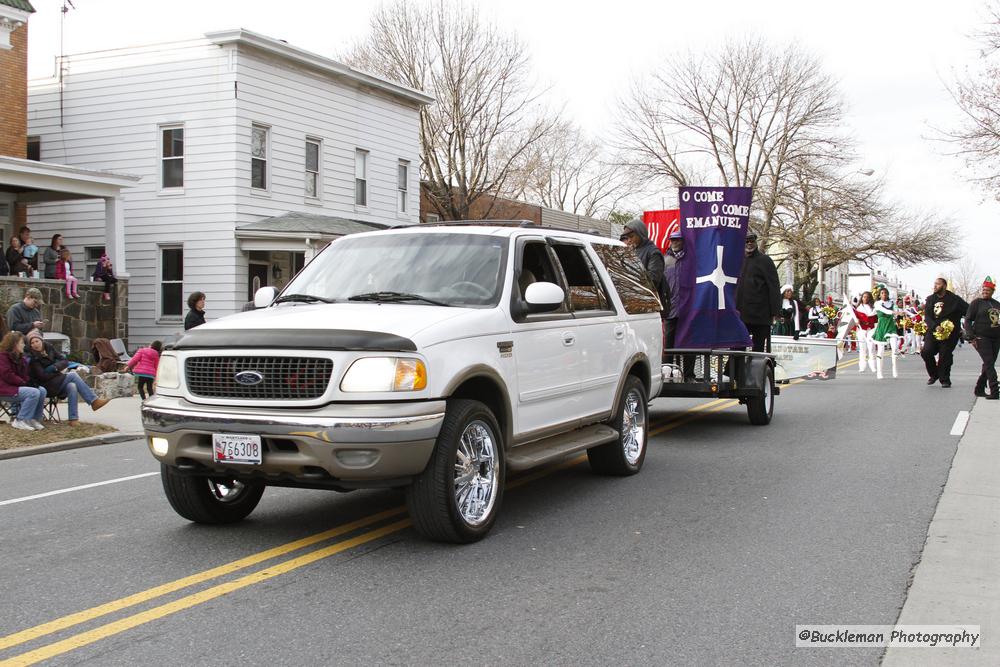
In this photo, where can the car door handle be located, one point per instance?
(620, 331)
(568, 339)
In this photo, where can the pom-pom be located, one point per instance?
(943, 330)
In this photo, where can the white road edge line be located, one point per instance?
(961, 420)
(75, 488)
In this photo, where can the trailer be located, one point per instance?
(745, 376)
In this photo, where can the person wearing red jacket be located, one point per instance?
(15, 387)
(143, 365)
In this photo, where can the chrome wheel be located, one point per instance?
(225, 490)
(476, 477)
(633, 427)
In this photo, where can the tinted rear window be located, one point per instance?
(629, 279)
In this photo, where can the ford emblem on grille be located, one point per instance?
(248, 378)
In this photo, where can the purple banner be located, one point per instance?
(714, 225)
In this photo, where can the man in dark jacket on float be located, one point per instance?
(671, 278)
(757, 295)
(672, 262)
(636, 236)
(942, 305)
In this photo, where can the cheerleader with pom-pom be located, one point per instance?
(864, 313)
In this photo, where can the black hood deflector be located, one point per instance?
(311, 339)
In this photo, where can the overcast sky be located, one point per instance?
(892, 58)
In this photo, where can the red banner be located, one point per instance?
(661, 224)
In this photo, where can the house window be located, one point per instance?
(361, 177)
(402, 177)
(34, 151)
(312, 167)
(258, 157)
(172, 157)
(432, 218)
(91, 256)
(171, 282)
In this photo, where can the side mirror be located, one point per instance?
(264, 297)
(544, 297)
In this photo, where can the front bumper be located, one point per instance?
(308, 447)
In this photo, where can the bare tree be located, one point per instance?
(977, 93)
(569, 171)
(845, 218)
(741, 116)
(485, 120)
(965, 279)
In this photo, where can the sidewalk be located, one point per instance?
(122, 414)
(958, 578)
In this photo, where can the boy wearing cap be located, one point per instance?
(24, 315)
(982, 328)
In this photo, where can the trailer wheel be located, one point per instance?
(760, 409)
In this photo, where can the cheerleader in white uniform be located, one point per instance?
(865, 314)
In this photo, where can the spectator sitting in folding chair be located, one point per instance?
(46, 367)
(15, 387)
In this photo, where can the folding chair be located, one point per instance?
(8, 410)
(118, 345)
(52, 409)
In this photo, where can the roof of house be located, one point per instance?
(304, 224)
(317, 62)
(23, 5)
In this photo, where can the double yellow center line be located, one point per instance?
(116, 627)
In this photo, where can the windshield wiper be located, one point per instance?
(306, 298)
(390, 297)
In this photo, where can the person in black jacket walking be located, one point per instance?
(757, 296)
(982, 328)
(941, 306)
(195, 316)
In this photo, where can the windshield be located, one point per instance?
(419, 269)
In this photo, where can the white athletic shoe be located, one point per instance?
(35, 424)
(22, 425)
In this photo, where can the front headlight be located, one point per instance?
(385, 374)
(167, 374)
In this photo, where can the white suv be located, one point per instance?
(434, 358)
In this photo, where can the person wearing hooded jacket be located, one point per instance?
(46, 366)
(636, 236)
(757, 297)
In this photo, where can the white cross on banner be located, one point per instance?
(718, 277)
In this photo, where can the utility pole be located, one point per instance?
(66, 6)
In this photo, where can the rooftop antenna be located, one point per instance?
(66, 6)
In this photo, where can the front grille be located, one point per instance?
(283, 378)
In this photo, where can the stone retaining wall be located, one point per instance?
(82, 319)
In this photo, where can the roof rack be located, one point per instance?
(531, 224)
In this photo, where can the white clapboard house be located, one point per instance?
(252, 154)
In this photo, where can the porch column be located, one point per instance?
(114, 234)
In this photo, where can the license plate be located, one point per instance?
(236, 448)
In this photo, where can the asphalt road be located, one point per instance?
(729, 536)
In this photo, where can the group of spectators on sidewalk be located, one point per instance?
(22, 255)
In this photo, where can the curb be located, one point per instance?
(106, 439)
